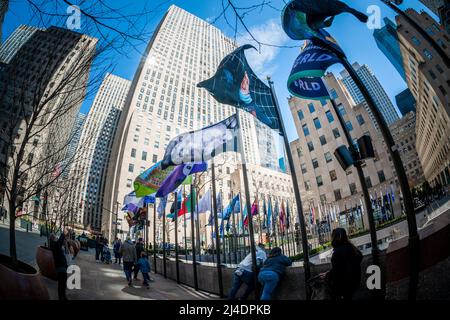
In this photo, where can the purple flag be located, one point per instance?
(178, 175)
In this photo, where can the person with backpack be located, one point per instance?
(139, 249)
(116, 249)
(128, 253)
(344, 277)
(272, 271)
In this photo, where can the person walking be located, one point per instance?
(144, 266)
(116, 248)
(244, 273)
(139, 249)
(272, 271)
(98, 248)
(128, 253)
(344, 277)
(59, 257)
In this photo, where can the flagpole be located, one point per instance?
(216, 228)
(175, 215)
(154, 237)
(298, 200)
(241, 225)
(235, 247)
(197, 223)
(184, 221)
(164, 241)
(223, 229)
(194, 262)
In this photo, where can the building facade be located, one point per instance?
(387, 41)
(405, 102)
(322, 181)
(3, 9)
(75, 136)
(94, 149)
(165, 102)
(404, 133)
(370, 81)
(15, 41)
(428, 79)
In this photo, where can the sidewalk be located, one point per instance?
(107, 282)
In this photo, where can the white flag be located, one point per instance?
(204, 204)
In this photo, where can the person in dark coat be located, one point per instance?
(57, 247)
(98, 248)
(272, 271)
(139, 249)
(345, 274)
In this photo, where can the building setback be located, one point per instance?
(322, 181)
(165, 102)
(15, 41)
(95, 147)
(370, 81)
(428, 79)
(405, 102)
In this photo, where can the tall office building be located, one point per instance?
(381, 99)
(94, 151)
(441, 8)
(75, 136)
(405, 102)
(43, 68)
(15, 41)
(165, 102)
(428, 78)
(3, 9)
(387, 41)
(322, 180)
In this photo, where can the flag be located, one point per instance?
(219, 204)
(362, 207)
(231, 208)
(202, 145)
(269, 215)
(245, 216)
(161, 207)
(178, 175)
(150, 180)
(264, 224)
(392, 193)
(236, 84)
(149, 199)
(57, 171)
(179, 201)
(255, 210)
(132, 201)
(282, 218)
(313, 218)
(204, 204)
(211, 219)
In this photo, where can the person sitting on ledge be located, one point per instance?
(272, 271)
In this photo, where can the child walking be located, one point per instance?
(144, 266)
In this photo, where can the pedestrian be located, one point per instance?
(344, 277)
(244, 273)
(144, 266)
(272, 271)
(117, 245)
(59, 257)
(128, 253)
(139, 249)
(98, 248)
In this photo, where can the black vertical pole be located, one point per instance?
(164, 242)
(364, 188)
(235, 246)
(194, 261)
(175, 215)
(216, 229)
(184, 226)
(197, 225)
(298, 200)
(154, 237)
(242, 224)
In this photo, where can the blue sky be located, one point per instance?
(354, 37)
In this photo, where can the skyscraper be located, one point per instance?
(387, 41)
(441, 8)
(165, 102)
(15, 41)
(74, 140)
(405, 102)
(94, 150)
(428, 79)
(3, 9)
(376, 90)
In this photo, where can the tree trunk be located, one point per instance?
(12, 231)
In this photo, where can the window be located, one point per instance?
(333, 175)
(319, 181)
(352, 187)
(427, 54)
(305, 130)
(381, 176)
(323, 198)
(337, 194)
(130, 167)
(333, 94)
(360, 119)
(368, 182)
(300, 114)
(129, 183)
(144, 155)
(303, 166)
(133, 153)
(328, 157)
(349, 126)
(299, 152)
(307, 185)
(336, 133)
(341, 110)
(311, 107)
(310, 146)
(415, 41)
(323, 140)
(317, 123)
(329, 116)
(155, 158)
(315, 163)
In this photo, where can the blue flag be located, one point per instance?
(178, 175)
(229, 209)
(161, 207)
(236, 84)
(269, 216)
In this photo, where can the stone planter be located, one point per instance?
(46, 263)
(21, 283)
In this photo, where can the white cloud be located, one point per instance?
(269, 33)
